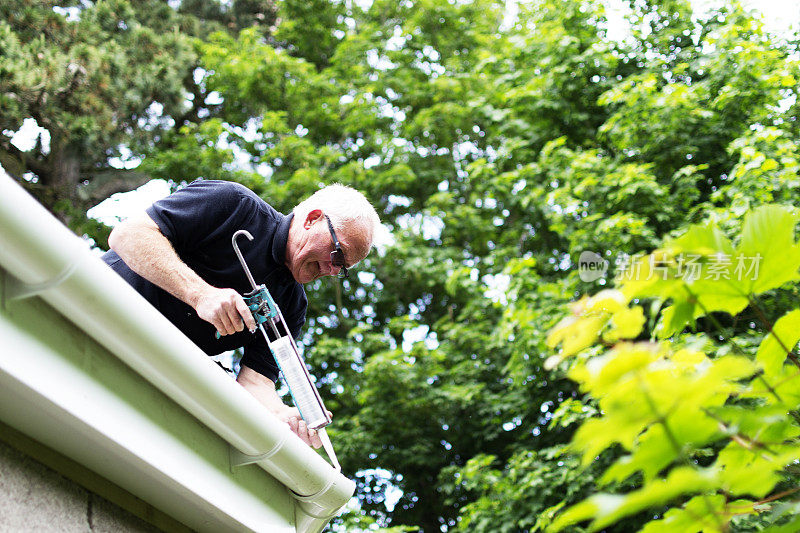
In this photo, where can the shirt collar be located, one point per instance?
(280, 240)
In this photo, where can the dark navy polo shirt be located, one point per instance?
(199, 221)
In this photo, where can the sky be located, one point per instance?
(779, 15)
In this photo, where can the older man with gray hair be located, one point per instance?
(178, 255)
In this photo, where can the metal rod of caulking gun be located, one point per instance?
(250, 276)
(239, 255)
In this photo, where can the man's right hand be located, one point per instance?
(225, 309)
(140, 243)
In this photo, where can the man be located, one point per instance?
(178, 255)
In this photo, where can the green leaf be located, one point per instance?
(625, 324)
(700, 514)
(781, 388)
(785, 335)
(747, 469)
(586, 510)
(675, 317)
(793, 526)
(576, 333)
(597, 434)
(653, 453)
(720, 296)
(766, 425)
(602, 374)
(769, 247)
(680, 481)
(696, 271)
(703, 239)
(607, 509)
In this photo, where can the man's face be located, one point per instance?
(311, 257)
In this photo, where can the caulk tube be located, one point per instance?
(305, 395)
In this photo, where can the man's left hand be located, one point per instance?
(264, 391)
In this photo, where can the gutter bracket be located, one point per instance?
(15, 289)
(238, 458)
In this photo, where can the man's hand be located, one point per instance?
(225, 309)
(264, 391)
(140, 243)
(291, 416)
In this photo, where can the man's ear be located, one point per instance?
(313, 216)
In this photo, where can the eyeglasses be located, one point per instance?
(337, 255)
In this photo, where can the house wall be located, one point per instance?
(33, 497)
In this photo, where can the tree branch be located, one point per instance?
(17, 162)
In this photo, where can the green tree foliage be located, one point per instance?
(108, 80)
(497, 149)
(708, 422)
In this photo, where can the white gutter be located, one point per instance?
(62, 389)
(52, 262)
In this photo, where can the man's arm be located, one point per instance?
(140, 243)
(264, 391)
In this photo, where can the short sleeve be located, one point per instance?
(199, 211)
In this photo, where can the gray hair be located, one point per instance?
(345, 206)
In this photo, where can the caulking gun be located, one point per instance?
(304, 393)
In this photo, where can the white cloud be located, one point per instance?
(122, 205)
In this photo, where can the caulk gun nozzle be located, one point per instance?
(326, 444)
